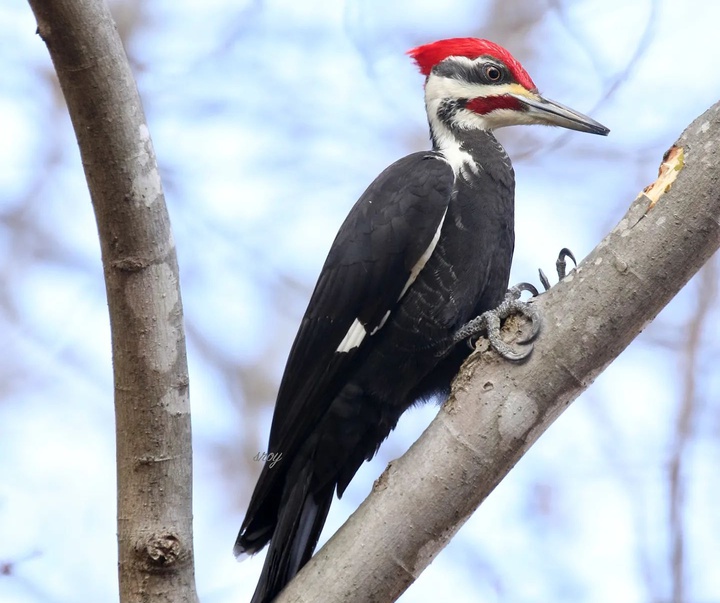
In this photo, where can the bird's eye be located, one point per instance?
(492, 73)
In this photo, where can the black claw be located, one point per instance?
(543, 279)
(516, 291)
(511, 354)
(561, 264)
(566, 253)
(560, 267)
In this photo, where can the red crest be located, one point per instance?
(429, 55)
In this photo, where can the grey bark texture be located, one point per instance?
(497, 410)
(154, 456)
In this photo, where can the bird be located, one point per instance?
(421, 262)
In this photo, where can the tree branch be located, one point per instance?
(141, 276)
(497, 410)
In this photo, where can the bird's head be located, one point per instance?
(476, 84)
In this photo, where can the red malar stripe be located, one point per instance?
(485, 104)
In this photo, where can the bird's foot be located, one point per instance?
(489, 322)
(560, 266)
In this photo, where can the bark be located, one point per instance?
(497, 410)
(141, 276)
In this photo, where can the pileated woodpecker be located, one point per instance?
(426, 248)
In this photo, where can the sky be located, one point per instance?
(269, 119)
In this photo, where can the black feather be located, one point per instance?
(335, 408)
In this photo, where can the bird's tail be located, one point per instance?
(300, 520)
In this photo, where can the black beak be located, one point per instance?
(550, 113)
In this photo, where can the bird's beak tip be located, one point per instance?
(594, 127)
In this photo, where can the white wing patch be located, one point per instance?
(420, 264)
(357, 331)
(353, 338)
(382, 323)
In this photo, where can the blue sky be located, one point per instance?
(269, 119)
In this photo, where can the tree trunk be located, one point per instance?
(141, 275)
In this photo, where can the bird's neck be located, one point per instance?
(463, 148)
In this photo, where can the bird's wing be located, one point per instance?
(382, 245)
(383, 242)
